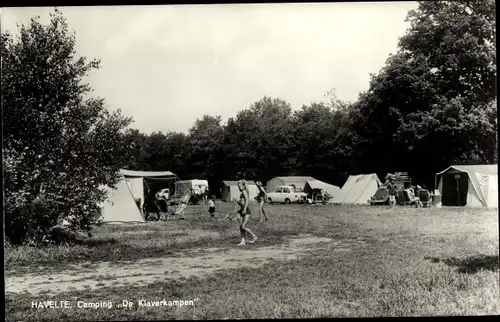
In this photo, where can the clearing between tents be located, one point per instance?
(329, 261)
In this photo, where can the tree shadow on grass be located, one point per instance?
(469, 265)
(66, 237)
(95, 242)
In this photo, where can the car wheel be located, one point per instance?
(270, 200)
(287, 201)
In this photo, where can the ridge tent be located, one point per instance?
(332, 190)
(298, 182)
(469, 185)
(230, 190)
(358, 189)
(120, 205)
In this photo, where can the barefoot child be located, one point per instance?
(261, 199)
(211, 207)
(244, 213)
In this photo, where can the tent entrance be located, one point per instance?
(455, 189)
(151, 187)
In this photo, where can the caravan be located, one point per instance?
(199, 189)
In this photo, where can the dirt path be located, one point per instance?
(147, 271)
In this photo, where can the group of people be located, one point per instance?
(242, 209)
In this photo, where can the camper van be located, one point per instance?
(199, 187)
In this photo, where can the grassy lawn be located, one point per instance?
(412, 262)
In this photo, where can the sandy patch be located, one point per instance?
(147, 271)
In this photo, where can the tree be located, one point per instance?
(314, 132)
(137, 155)
(259, 141)
(59, 145)
(434, 102)
(204, 146)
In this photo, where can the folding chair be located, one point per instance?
(425, 198)
(412, 200)
(402, 198)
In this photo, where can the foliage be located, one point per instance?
(59, 144)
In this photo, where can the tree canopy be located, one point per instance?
(54, 146)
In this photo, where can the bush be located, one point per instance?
(60, 146)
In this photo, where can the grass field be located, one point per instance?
(309, 261)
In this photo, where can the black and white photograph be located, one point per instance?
(250, 161)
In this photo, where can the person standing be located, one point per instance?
(261, 199)
(244, 212)
(391, 186)
(211, 207)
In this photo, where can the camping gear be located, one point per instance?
(178, 209)
(402, 198)
(436, 199)
(411, 198)
(358, 189)
(406, 197)
(425, 198)
(469, 185)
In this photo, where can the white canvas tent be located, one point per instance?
(358, 189)
(332, 190)
(469, 185)
(230, 190)
(120, 205)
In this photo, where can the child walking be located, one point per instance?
(211, 207)
(244, 212)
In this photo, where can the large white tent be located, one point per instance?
(469, 185)
(120, 205)
(358, 189)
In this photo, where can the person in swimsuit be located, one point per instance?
(261, 199)
(244, 212)
(211, 207)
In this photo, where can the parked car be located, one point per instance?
(286, 194)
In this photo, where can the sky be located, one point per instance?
(165, 66)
